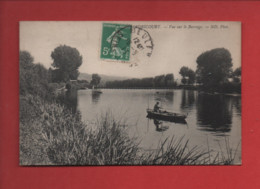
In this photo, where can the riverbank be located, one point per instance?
(50, 134)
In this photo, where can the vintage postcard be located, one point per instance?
(130, 93)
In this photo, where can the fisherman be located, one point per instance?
(156, 107)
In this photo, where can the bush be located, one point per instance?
(34, 81)
(231, 87)
(33, 77)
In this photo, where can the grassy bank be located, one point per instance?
(50, 134)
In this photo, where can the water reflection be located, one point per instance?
(159, 127)
(69, 99)
(237, 104)
(95, 96)
(164, 96)
(169, 96)
(214, 113)
(187, 99)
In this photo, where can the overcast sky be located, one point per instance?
(173, 48)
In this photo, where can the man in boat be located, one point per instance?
(156, 107)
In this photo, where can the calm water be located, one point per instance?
(211, 120)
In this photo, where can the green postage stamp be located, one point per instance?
(116, 41)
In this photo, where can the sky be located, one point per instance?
(176, 44)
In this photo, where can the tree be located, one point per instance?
(237, 75)
(214, 67)
(66, 60)
(169, 80)
(192, 77)
(237, 72)
(147, 82)
(159, 81)
(95, 80)
(184, 80)
(33, 78)
(25, 59)
(188, 75)
(184, 73)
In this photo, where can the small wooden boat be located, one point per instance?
(165, 115)
(96, 92)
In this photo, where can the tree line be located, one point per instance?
(35, 78)
(160, 81)
(214, 73)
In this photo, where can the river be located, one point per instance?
(213, 121)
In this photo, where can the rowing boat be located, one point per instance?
(165, 115)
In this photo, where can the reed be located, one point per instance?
(227, 158)
(175, 152)
(73, 143)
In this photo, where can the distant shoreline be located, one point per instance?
(199, 90)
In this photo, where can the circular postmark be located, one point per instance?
(141, 42)
(134, 48)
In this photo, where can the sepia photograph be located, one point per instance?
(129, 93)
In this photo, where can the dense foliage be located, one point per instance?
(188, 75)
(214, 67)
(237, 75)
(66, 61)
(95, 80)
(161, 81)
(33, 77)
